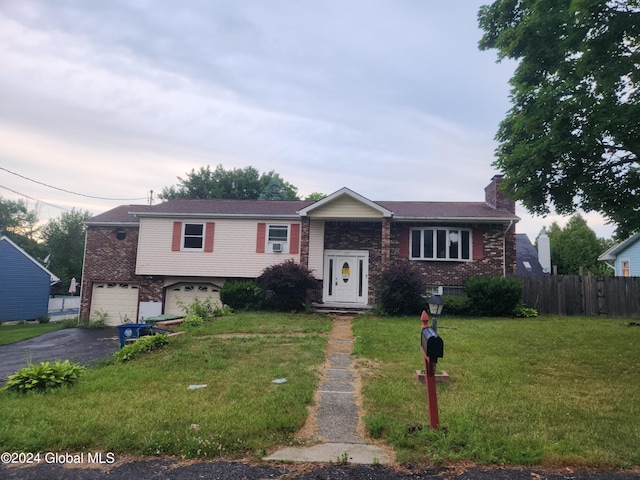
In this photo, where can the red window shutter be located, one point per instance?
(177, 236)
(478, 245)
(294, 241)
(404, 242)
(262, 237)
(208, 236)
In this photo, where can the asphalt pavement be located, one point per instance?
(81, 345)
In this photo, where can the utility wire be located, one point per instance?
(69, 191)
(34, 199)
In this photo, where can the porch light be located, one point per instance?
(436, 304)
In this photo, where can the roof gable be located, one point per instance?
(345, 203)
(20, 251)
(618, 248)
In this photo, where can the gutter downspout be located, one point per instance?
(504, 248)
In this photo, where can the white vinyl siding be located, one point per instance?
(346, 207)
(234, 253)
(316, 248)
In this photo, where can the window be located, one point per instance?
(277, 238)
(278, 233)
(193, 236)
(625, 266)
(440, 244)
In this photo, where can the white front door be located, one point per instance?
(346, 278)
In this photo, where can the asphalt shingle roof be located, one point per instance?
(128, 214)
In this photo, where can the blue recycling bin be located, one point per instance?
(131, 330)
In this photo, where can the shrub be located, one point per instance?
(206, 309)
(139, 347)
(193, 321)
(43, 377)
(456, 305)
(493, 296)
(241, 295)
(287, 287)
(522, 311)
(400, 291)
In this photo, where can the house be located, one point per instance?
(143, 260)
(530, 261)
(624, 257)
(527, 262)
(24, 284)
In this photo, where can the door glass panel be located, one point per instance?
(346, 272)
(331, 276)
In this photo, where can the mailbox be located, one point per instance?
(432, 344)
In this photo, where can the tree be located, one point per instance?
(576, 246)
(273, 191)
(19, 223)
(240, 184)
(571, 138)
(315, 196)
(64, 237)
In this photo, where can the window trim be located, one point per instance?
(184, 236)
(622, 267)
(285, 243)
(436, 238)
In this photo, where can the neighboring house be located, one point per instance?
(24, 284)
(145, 260)
(624, 257)
(527, 262)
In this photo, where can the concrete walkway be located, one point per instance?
(335, 423)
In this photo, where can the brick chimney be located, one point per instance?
(496, 198)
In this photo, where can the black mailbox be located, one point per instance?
(432, 344)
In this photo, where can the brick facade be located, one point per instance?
(110, 259)
(370, 236)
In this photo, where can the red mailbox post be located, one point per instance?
(432, 348)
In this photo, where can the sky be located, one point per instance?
(115, 99)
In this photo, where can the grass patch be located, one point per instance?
(144, 406)
(552, 390)
(17, 333)
(265, 323)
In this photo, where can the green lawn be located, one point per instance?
(554, 391)
(546, 391)
(144, 407)
(17, 333)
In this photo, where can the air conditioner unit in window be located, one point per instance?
(276, 247)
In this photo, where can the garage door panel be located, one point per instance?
(117, 299)
(186, 294)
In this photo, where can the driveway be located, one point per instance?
(82, 345)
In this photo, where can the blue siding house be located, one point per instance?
(624, 257)
(24, 284)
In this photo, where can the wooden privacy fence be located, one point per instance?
(582, 295)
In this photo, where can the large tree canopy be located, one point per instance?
(571, 138)
(239, 184)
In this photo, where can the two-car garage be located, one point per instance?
(119, 301)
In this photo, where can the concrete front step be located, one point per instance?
(341, 309)
(360, 453)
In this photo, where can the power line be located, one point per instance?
(69, 191)
(34, 199)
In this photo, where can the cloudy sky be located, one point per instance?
(113, 99)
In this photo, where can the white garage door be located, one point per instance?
(118, 300)
(186, 293)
